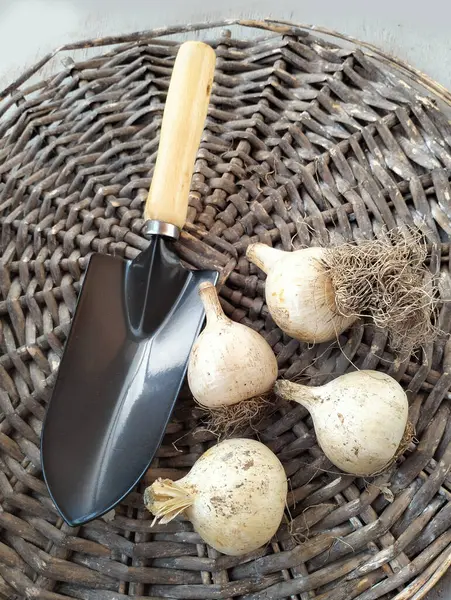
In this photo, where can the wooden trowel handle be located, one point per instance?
(183, 122)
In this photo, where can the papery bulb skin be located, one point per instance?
(359, 418)
(229, 362)
(234, 495)
(299, 293)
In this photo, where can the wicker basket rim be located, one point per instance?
(278, 26)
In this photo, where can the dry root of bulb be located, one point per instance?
(235, 419)
(407, 438)
(388, 281)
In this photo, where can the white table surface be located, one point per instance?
(418, 32)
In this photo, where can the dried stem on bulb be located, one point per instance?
(295, 392)
(166, 499)
(212, 306)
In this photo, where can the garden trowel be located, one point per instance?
(134, 325)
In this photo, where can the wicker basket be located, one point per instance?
(307, 143)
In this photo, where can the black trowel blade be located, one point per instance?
(122, 368)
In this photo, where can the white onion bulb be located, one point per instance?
(229, 362)
(359, 418)
(234, 496)
(299, 293)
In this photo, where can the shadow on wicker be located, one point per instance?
(307, 143)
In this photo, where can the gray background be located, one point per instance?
(413, 30)
(418, 32)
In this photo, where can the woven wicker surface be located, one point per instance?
(307, 143)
